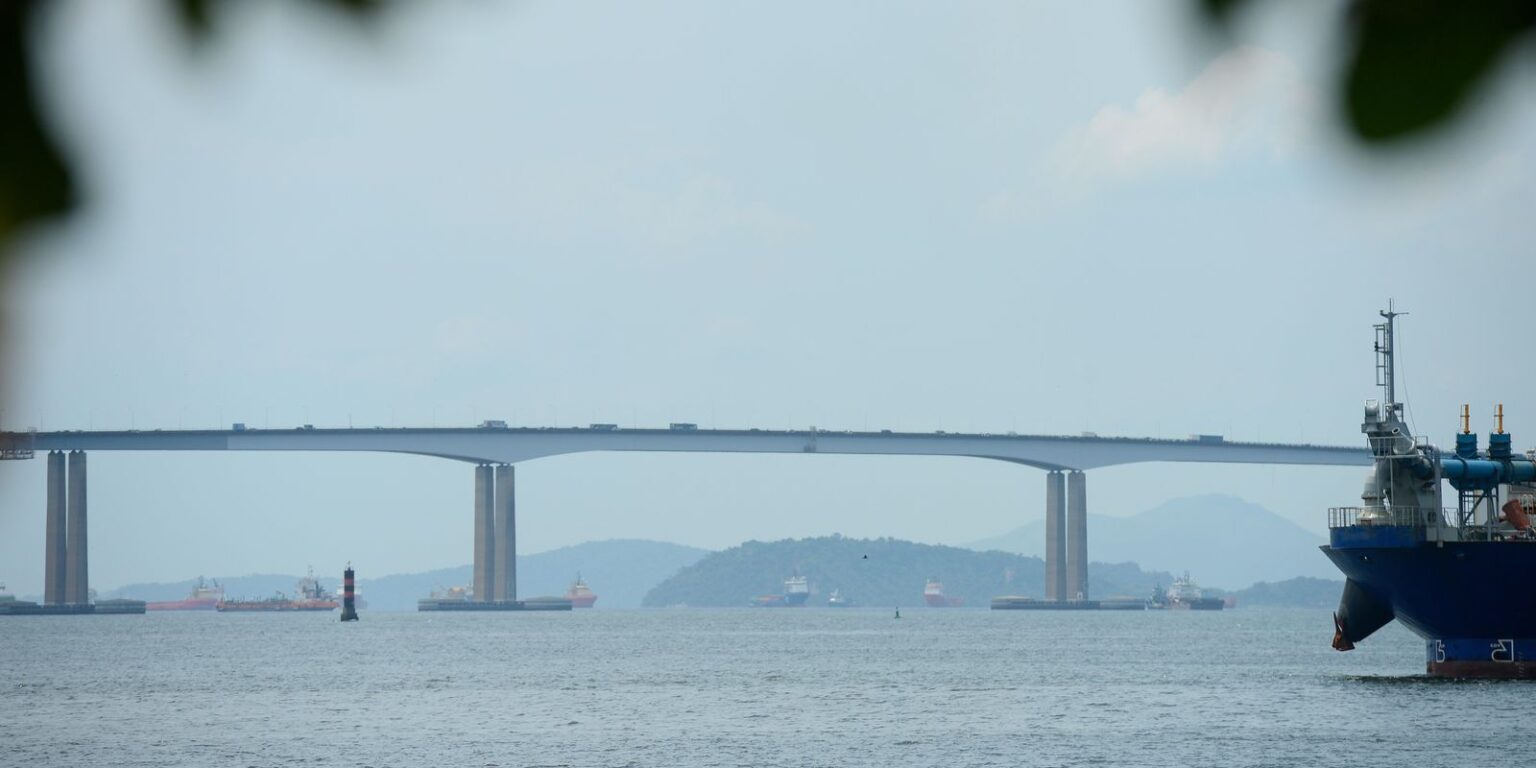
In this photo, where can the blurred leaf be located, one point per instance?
(197, 16)
(36, 183)
(36, 179)
(1220, 11)
(1415, 63)
(1412, 65)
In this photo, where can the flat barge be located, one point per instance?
(531, 604)
(98, 608)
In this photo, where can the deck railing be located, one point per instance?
(1413, 517)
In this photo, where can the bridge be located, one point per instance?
(495, 448)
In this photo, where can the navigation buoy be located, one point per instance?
(898, 613)
(348, 606)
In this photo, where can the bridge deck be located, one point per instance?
(515, 444)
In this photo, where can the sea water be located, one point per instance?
(739, 687)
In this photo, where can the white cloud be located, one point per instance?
(1248, 99)
(1247, 102)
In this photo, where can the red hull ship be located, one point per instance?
(933, 596)
(580, 595)
(203, 598)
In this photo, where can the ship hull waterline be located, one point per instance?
(1468, 600)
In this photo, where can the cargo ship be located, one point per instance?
(1186, 595)
(311, 597)
(580, 595)
(796, 591)
(1458, 576)
(202, 598)
(933, 596)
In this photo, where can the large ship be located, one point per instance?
(1185, 594)
(796, 591)
(203, 598)
(933, 595)
(580, 595)
(1459, 577)
(311, 597)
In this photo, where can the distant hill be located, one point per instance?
(883, 572)
(1221, 540)
(1300, 592)
(620, 571)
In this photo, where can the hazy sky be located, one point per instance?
(1042, 217)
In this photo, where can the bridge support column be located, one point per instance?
(1055, 536)
(506, 534)
(55, 547)
(485, 533)
(1077, 536)
(77, 587)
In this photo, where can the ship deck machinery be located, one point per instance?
(1462, 578)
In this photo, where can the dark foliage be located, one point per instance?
(876, 572)
(37, 182)
(1412, 66)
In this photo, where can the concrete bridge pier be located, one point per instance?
(77, 587)
(505, 524)
(1055, 536)
(485, 533)
(1077, 535)
(55, 546)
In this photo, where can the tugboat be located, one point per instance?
(1185, 594)
(580, 595)
(1458, 577)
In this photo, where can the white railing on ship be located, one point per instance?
(1417, 517)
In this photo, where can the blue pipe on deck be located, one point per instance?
(1485, 473)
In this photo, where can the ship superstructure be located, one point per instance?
(796, 590)
(1458, 576)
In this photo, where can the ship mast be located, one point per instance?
(1386, 375)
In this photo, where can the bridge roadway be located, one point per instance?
(494, 449)
(493, 445)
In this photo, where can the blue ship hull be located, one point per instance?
(1471, 601)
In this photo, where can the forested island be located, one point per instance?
(883, 572)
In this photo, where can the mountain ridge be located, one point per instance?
(1220, 539)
